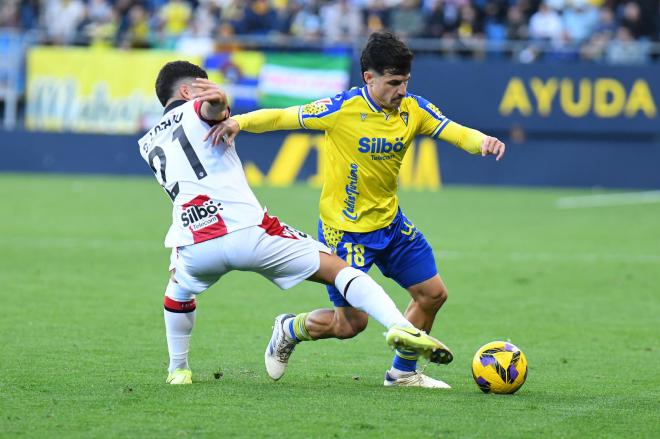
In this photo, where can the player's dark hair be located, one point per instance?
(171, 74)
(386, 53)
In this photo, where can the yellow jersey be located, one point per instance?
(364, 148)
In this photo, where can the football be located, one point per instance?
(499, 367)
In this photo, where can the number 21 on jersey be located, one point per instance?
(178, 135)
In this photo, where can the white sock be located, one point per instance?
(179, 322)
(363, 293)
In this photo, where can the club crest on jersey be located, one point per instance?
(200, 212)
(363, 116)
(404, 117)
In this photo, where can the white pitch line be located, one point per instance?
(550, 257)
(71, 242)
(608, 200)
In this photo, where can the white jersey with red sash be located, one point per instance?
(206, 183)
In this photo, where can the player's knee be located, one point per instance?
(177, 292)
(442, 295)
(434, 298)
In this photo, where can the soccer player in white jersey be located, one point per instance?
(219, 226)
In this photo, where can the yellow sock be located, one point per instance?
(299, 329)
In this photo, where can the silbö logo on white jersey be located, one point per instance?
(200, 216)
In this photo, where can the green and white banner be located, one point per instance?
(293, 79)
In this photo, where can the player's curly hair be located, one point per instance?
(171, 74)
(386, 53)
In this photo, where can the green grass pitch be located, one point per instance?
(83, 272)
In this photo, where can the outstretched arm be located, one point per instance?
(436, 125)
(270, 119)
(259, 121)
(472, 141)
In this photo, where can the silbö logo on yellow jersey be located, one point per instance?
(380, 148)
(351, 194)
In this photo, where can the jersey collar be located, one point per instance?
(373, 105)
(173, 105)
(370, 102)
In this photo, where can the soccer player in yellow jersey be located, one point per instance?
(367, 133)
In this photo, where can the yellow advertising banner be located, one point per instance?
(94, 90)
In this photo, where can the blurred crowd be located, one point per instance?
(617, 31)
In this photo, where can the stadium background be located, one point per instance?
(570, 274)
(570, 84)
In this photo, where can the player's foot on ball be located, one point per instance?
(411, 338)
(279, 349)
(414, 379)
(180, 376)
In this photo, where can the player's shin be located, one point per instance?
(363, 293)
(179, 322)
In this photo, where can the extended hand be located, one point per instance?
(224, 131)
(209, 91)
(214, 101)
(492, 146)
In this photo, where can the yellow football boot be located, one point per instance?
(413, 339)
(180, 376)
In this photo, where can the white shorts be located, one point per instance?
(285, 256)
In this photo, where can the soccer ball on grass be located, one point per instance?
(499, 367)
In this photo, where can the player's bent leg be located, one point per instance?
(298, 256)
(290, 329)
(409, 261)
(363, 293)
(427, 299)
(342, 323)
